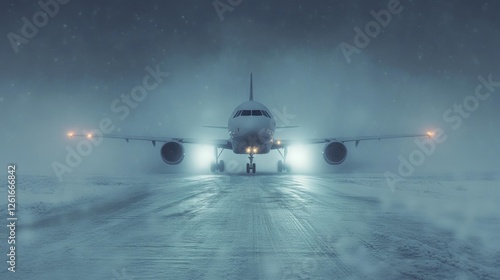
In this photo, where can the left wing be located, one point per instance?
(220, 143)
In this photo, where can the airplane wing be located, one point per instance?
(214, 126)
(278, 143)
(220, 143)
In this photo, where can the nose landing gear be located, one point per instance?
(251, 165)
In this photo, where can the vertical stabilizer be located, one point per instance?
(251, 87)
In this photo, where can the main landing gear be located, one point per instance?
(251, 165)
(218, 165)
(282, 165)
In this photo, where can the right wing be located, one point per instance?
(278, 144)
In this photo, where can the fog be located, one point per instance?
(427, 58)
(429, 66)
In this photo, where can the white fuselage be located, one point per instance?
(251, 128)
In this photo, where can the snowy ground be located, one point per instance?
(263, 226)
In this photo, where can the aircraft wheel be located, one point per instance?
(248, 167)
(221, 166)
(253, 168)
(280, 166)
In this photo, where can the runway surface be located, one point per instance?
(265, 226)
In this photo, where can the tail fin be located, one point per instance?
(251, 87)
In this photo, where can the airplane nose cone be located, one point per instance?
(255, 136)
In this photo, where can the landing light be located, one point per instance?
(300, 158)
(430, 133)
(202, 156)
(248, 150)
(255, 150)
(71, 134)
(89, 135)
(278, 142)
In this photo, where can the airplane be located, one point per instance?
(251, 129)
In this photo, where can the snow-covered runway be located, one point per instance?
(263, 226)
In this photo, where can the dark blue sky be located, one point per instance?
(98, 38)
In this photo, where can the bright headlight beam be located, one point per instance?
(299, 158)
(202, 156)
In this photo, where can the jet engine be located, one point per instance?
(172, 153)
(335, 153)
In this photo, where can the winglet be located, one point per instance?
(251, 87)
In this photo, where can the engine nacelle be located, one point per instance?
(335, 153)
(172, 153)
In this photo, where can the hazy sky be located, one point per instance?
(87, 54)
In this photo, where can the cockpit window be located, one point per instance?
(256, 113)
(246, 113)
(251, 113)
